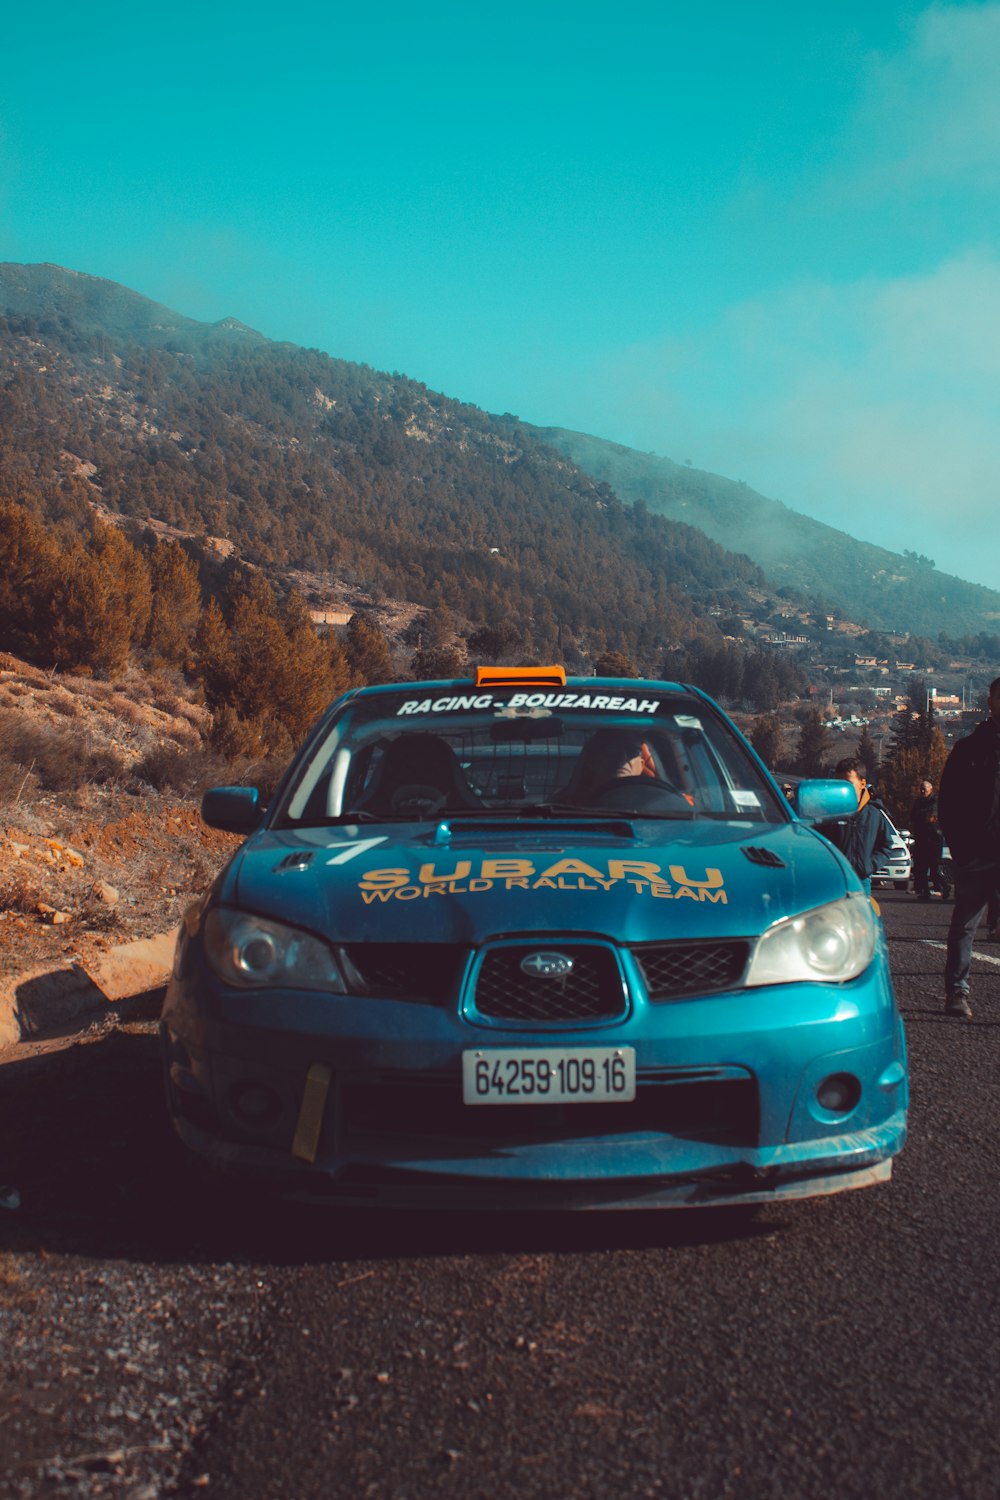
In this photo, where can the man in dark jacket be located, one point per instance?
(969, 810)
(927, 845)
(864, 837)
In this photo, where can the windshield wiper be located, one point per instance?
(553, 810)
(331, 822)
(497, 814)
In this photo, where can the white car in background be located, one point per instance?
(896, 866)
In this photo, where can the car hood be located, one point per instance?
(463, 883)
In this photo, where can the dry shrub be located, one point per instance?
(263, 774)
(135, 685)
(61, 704)
(97, 916)
(17, 782)
(60, 758)
(99, 691)
(169, 691)
(194, 714)
(168, 701)
(188, 772)
(128, 711)
(18, 892)
(256, 738)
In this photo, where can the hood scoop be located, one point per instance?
(542, 831)
(299, 860)
(760, 856)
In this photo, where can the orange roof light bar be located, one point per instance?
(515, 676)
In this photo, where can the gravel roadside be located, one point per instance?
(123, 1322)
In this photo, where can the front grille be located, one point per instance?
(672, 970)
(709, 1107)
(593, 990)
(429, 972)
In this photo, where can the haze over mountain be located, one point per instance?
(301, 460)
(883, 589)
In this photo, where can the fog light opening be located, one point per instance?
(839, 1093)
(254, 1102)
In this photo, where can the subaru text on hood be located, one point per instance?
(524, 941)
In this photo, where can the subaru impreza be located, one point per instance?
(528, 941)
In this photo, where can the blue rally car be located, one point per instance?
(523, 941)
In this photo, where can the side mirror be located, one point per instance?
(815, 801)
(236, 809)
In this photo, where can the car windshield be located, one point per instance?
(632, 749)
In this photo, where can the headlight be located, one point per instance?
(831, 943)
(254, 954)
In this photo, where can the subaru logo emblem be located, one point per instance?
(547, 965)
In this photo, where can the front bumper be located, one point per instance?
(893, 873)
(358, 1101)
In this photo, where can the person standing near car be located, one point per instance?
(863, 838)
(969, 812)
(927, 845)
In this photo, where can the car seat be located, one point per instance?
(419, 774)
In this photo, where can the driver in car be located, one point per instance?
(608, 756)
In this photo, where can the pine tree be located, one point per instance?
(305, 684)
(101, 602)
(29, 566)
(367, 651)
(340, 667)
(128, 580)
(215, 657)
(491, 642)
(867, 753)
(438, 662)
(176, 606)
(615, 664)
(768, 739)
(813, 750)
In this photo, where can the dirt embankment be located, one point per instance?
(84, 881)
(101, 841)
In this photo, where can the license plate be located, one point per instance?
(549, 1075)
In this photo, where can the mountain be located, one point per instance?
(89, 304)
(300, 461)
(866, 583)
(295, 460)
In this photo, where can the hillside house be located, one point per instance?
(329, 618)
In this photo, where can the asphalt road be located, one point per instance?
(157, 1341)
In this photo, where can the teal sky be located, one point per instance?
(763, 237)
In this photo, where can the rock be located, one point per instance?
(101, 891)
(63, 852)
(132, 968)
(52, 914)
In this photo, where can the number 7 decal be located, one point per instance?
(361, 846)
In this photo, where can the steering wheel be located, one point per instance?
(419, 799)
(635, 793)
